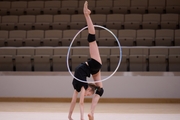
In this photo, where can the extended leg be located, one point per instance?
(94, 53)
(93, 47)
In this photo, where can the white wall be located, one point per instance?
(121, 85)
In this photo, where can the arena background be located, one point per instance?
(34, 39)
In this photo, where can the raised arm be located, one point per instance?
(81, 103)
(73, 103)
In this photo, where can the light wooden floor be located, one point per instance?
(104, 111)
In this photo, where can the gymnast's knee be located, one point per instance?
(100, 91)
(91, 37)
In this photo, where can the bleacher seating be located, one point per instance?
(133, 58)
(174, 58)
(77, 21)
(138, 59)
(121, 6)
(139, 6)
(145, 37)
(156, 6)
(151, 21)
(114, 21)
(177, 37)
(173, 6)
(158, 59)
(97, 6)
(35, 34)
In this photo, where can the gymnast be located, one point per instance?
(84, 70)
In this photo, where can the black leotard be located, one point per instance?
(94, 66)
(83, 71)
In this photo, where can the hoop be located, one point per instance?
(119, 62)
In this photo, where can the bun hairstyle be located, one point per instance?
(93, 87)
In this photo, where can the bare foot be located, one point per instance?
(86, 10)
(90, 117)
(70, 118)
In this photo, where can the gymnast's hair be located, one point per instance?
(93, 87)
